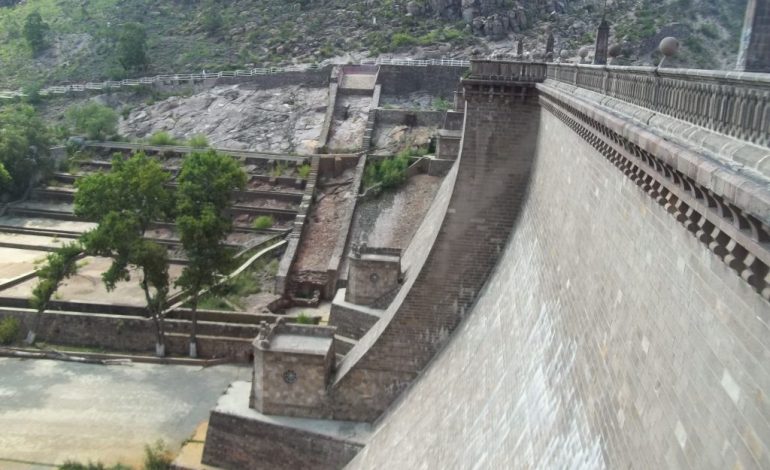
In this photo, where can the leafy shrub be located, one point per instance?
(441, 104)
(35, 32)
(389, 173)
(9, 330)
(156, 457)
(402, 40)
(198, 141)
(709, 30)
(303, 171)
(278, 170)
(263, 222)
(94, 120)
(162, 138)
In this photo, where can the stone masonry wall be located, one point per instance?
(432, 79)
(234, 442)
(607, 337)
(137, 334)
(318, 78)
(492, 176)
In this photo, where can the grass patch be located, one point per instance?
(278, 170)
(212, 302)
(263, 222)
(162, 138)
(304, 319)
(440, 104)
(72, 465)
(198, 141)
(304, 171)
(157, 457)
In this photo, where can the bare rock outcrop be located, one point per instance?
(282, 120)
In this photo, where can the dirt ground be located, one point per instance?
(87, 286)
(16, 262)
(325, 223)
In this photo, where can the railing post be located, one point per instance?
(606, 80)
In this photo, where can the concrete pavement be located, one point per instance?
(52, 411)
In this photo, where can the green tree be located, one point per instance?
(59, 265)
(125, 202)
(212, 19)
(24, 144)
(206, 183)
(96, 121)
(5, 179)
(35, 31)
(132, 47)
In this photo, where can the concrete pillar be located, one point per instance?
(602, 43)
(754, 54)
(549, 44)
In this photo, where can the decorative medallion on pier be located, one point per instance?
(289, 376)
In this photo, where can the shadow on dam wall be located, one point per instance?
(607, 336)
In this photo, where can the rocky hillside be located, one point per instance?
(189, 35)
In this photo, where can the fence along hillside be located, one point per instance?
(199, 77)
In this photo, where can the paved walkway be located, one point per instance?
(52, 411)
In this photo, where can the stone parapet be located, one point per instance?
(736, 104)
(500, 70)
(241, 438)
(724, 209)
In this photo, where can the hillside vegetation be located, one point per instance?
(81, 39)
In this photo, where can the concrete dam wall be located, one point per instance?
(607, 336)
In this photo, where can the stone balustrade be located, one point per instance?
(508, 71)
(731, 103)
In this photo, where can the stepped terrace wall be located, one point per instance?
(608, 336)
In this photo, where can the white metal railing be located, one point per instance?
(418, 63)
(196, 77)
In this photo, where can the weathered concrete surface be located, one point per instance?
(607, 337)
(52, 411)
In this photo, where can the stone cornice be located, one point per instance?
(717, 206)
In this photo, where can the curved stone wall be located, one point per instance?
(492, 172)
(608, 336)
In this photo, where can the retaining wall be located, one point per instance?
(608, 337)
(433, 79)
(317, 78)
(406, 117)
(137, 334)
(445, 276)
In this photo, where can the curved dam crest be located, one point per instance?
(606, 337)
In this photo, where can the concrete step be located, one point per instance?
(190, 455)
